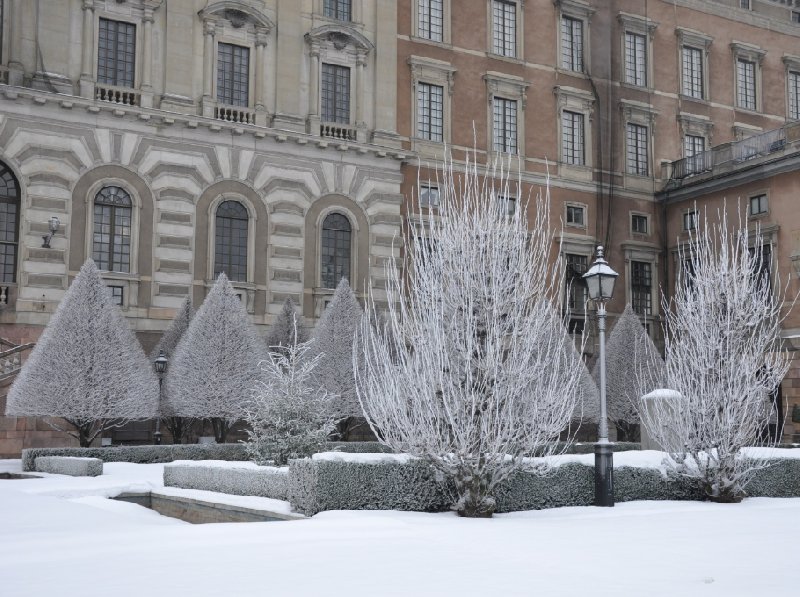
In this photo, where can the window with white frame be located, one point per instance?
(576, 215)
(746, 84)
(111, 241)
(428, 196)
(692, 84)
(635, 59)
(430, 112)
(640, 224)
(572, 44)
(637, 151)
(759, 205)
(504, 28)
(689, 220)
(572, 138)
(693, 144)
(335, 93)
(341, 10)
(233, 75)
(642, 287)
(430, 19)
(504, 124)
(793, 81)
(116, 53)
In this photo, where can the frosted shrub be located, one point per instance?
(215, 362)
(289, 416)
(287, 329)
(87, 367)
(179, 427)
(723, 356)
(472, 370)
(334, 347)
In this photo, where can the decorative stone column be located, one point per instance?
(209, 30)
(313, 91)
(86, 85)
(147, 58)
(16, 69)
(361, 99)
(262, 114)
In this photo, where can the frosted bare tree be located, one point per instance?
(472, 370)
(289, 416)
(87, 367)
(633, 368)
(334, 346)
(287, 329)
(216, 362)
(723, 355)
(179, 427)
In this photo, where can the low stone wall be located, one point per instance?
(238, 479)
(67, 465)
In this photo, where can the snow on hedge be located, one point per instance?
(239, 478)
(69, 465)
(87, 367)
(216, 362)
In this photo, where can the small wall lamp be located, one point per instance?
(53, 224)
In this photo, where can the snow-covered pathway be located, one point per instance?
(82, 546)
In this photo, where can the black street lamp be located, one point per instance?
(160, 365)
(600, 284)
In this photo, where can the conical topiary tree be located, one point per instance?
(179, 427)
(333, 342)
(87, 368)
(633, 368)
(287, 330)
(216, 363)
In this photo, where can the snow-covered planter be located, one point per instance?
(236, 478)
(69, 465)
(141, 454)
(358, 447)
(339, 481)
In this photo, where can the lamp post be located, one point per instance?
(600, 284)
(160, 364)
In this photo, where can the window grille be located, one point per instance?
(692, 75)
(504, 28)
(637, 150)
(636, 59)
(746, 84)
(642, 287)
(505, 124)
(9, 224)
(335, 93)
(430, 112)
(233, 75)
(111, 242)
(116, 53)
(572, 142)
(230, 241)
(572, 44)
(430, 22)
(335, 251)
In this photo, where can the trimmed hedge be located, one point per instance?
(264, 481)
(67, 465)
(781, 479)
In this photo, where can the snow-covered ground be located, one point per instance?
(59, 536)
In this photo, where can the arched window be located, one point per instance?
(9, 225)
(111, 245)
(230, 246)
(335, 250)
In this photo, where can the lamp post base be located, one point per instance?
(157, 438)
(603, 475)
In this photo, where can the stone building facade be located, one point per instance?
(175, 140)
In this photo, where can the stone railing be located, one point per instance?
(5, 295)
(11, 357)
(235, 114)
(117, 95)
(337, 131)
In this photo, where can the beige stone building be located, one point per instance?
(175, 140)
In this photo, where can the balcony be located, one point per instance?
(235, 114)
(117, 95)
(340, 132)
(726, 158)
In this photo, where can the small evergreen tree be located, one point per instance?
(287, 330)
(289, 416)
(633, 368)
(216, 362)
(179, 427)
(334, 347)
(87, 368)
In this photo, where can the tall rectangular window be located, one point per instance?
(116, 53)
(233, 75)
(335, 93)
(338, 9)
(693, 144)
(577, 265)
(504, 28)
(635, 59)
(642, 287)
(572, 143)
(572, 44)
(637, 150)
(746, 84)
(794, 95)
(430, 22)
(430, 112)
(692, 76)
(504, 122)
(758, 205)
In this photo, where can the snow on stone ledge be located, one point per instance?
(363, 458)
